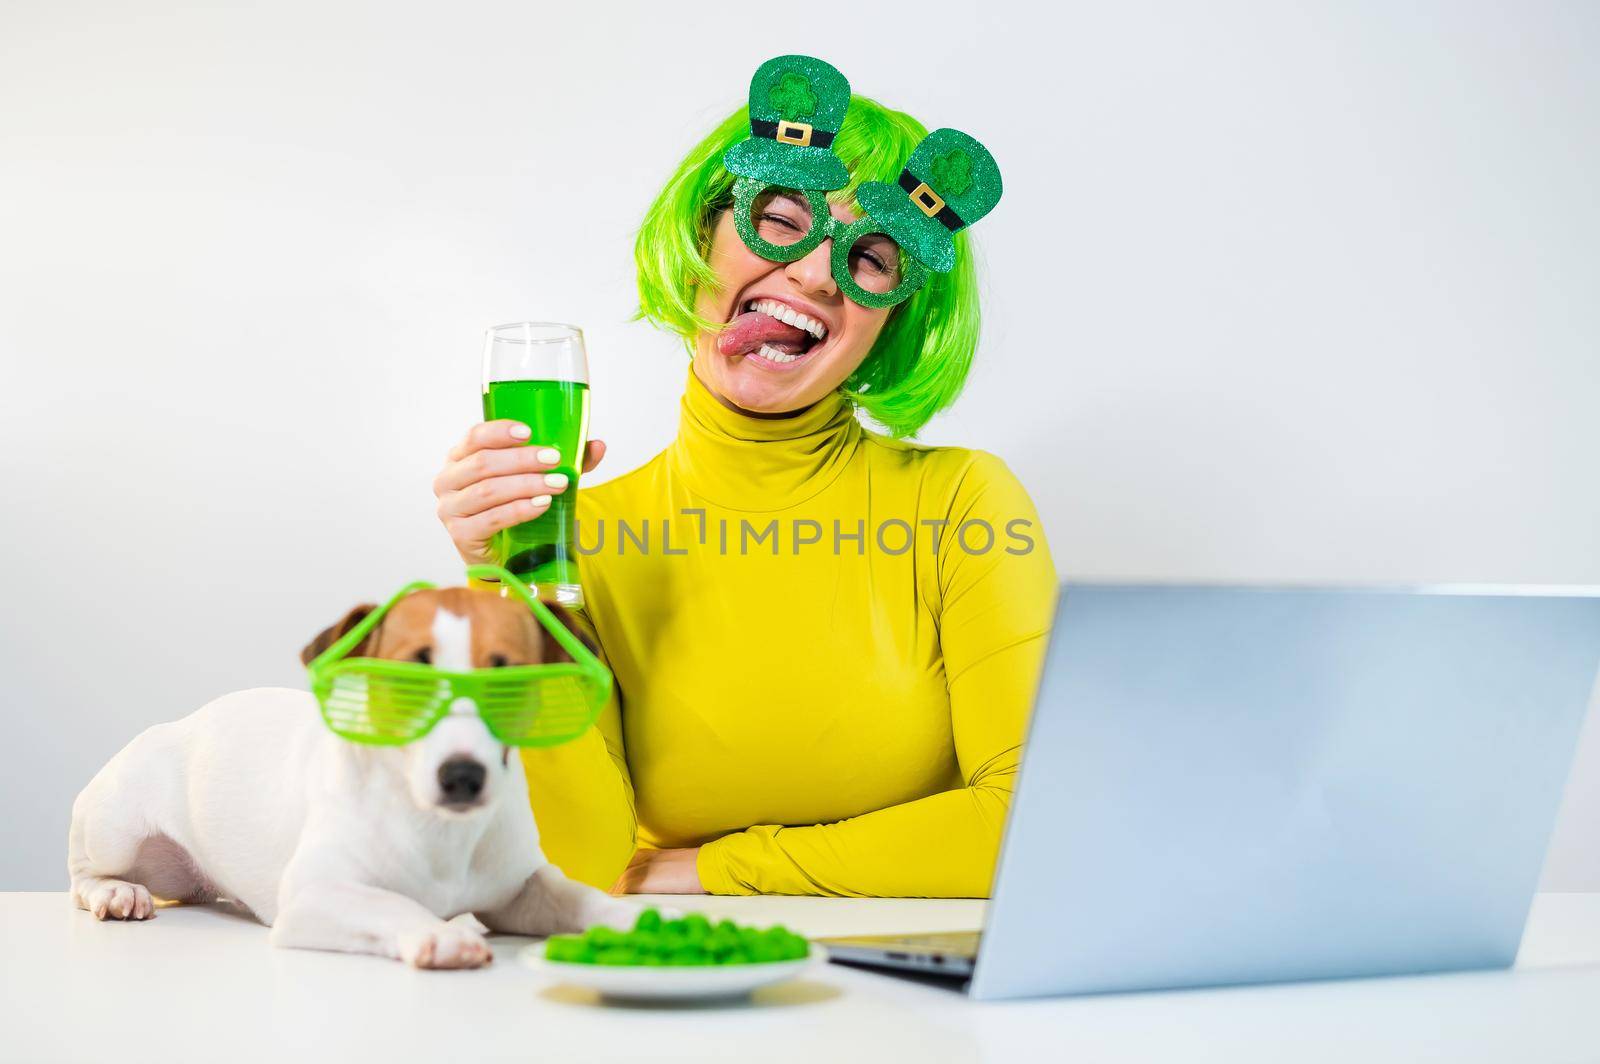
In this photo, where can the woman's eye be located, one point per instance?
(781, 220)
(424, 656)
(872, 261)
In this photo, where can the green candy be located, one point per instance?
(688, 957)
(689, 942)
(602, 937)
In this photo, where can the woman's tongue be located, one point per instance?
(750, 330)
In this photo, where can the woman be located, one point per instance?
(819, 689)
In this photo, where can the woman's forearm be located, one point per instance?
(583, 803)
(582, 793)
(941, 846)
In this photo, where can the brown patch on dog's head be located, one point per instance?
(336, 631)
(504, 631)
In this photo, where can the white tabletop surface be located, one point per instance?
(201, 984)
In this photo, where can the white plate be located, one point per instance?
(670, 982)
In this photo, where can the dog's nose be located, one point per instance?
(461, 780)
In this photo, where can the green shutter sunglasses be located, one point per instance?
(390, 703)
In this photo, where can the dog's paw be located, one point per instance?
(112, 899)
(621, 915)
(450, 945)
(469, 922)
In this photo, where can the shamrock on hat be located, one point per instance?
(797, 104)
(949, 182)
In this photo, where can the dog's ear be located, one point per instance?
(554, 651)
(332, 634)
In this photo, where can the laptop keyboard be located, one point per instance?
(955, 941)
(960, 943)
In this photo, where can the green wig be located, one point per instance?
(919, 362)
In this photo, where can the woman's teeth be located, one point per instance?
(772, 354)
(772, 308)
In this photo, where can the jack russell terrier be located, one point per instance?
(398, 850)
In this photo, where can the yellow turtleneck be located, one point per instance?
(842, 716)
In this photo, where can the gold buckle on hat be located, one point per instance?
(794, 133)
(927, 200)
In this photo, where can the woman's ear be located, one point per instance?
(553, 651)
(333, 633)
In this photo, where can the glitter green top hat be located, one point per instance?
(797, 104)
(949, 182)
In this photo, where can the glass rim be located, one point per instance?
(569, 332)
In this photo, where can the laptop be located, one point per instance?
(1227, 785)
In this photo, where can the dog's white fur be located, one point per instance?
(335, 845)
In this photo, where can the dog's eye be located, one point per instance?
(425, 656)
(498, 661)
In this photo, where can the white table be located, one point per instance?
(201, 984)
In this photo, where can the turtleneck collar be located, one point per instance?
(741, 462)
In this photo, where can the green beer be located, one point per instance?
(537, 373)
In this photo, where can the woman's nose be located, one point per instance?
(814, 272)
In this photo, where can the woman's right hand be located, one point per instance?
(493, 479)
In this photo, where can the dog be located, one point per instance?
(413, 852)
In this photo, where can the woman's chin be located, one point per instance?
(760, 390)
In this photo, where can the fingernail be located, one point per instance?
(540, 500)
(555, 481)
(520, 432)
(550, 454)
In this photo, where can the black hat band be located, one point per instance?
(797, 133)
(930, 202)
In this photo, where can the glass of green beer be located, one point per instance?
(536, 372)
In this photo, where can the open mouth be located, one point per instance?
(774, 333)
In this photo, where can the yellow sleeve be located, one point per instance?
(582, 794)
(995, 614)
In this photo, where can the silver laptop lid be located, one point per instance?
(1227, 785)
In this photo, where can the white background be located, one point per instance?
(1276, 292)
